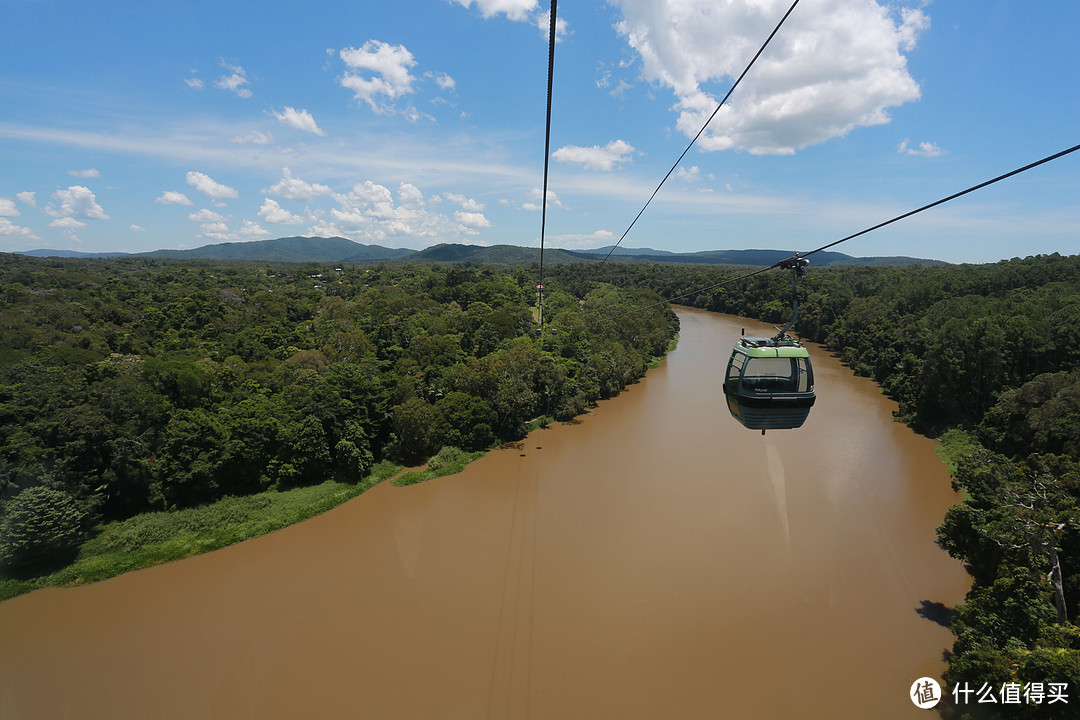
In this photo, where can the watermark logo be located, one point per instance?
(1013, 693)
(925, 693)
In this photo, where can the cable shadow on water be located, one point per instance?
(509, 692)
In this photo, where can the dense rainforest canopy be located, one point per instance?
(134, 385)
(130, 385)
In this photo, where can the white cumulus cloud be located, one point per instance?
(217, 231)
(171, 197)
(377, 199)
(76, 201)
(296, 189)
(834, 66)
(543, 21)
(444, 81)
(596, 157)
(512, 9)
(8, 228)
(298, 119)
(468, 204)
(370, 212)
(387, 73)
(235, 81)
(690, 174)
(472, 220)
(87, 173)
(536, 195)
(410, 195)
(209, 187)
(27, 198)
(67, 223)
(7, 208)
(206, 216)
(925, 149)
(252, 230)
(273, 213)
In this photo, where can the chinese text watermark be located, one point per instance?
(926, 693)
(1012, 693)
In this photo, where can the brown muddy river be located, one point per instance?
(654, 560)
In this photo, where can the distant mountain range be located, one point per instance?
(338, 249)
(291, 249)
(752, 257)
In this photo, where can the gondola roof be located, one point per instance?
(768, 347)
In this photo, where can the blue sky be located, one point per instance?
(133, 126)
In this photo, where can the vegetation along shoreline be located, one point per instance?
(152, 409)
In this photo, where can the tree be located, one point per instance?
(40, 526)
(414, 424)
(140, 384)
(464, 421)
(352, 454)
(1042, 415)
(191, 452)
(308, 453)
(1041, 519)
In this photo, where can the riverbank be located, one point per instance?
(155, 538)
(159, 537)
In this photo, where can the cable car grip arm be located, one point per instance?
(797, 264)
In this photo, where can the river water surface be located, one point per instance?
(653, 560)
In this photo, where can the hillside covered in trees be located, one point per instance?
(136, 385)
(300, 249)
(989, 355)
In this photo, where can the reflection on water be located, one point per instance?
(652, 560)
(775, 467)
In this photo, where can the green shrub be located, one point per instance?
(446, 457)
(448, 461)
(40, 526)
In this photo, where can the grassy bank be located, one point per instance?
(657, 359)
(954, 444)
(159, 537)
(449, 461)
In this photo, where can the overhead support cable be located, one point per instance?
(547, 155)
(702, 130)
(798, 258)
(942, 201)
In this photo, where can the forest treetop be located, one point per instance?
(139, 384)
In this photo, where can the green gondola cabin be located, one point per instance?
(769, 383)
